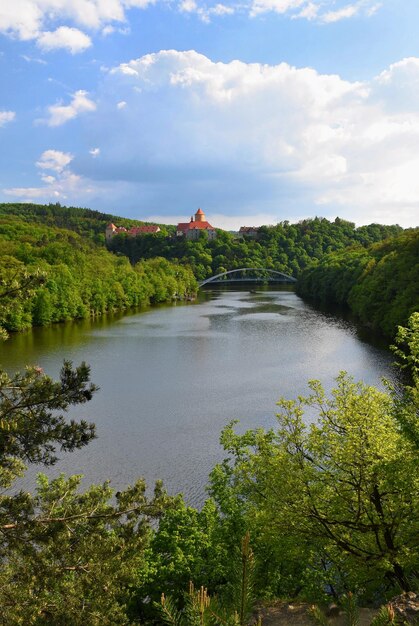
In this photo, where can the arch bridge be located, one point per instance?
(268, 275)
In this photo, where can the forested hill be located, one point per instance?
(50, 274)
(285, 247)
(82, 278)
(380, 283)
(86, 222)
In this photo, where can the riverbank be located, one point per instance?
(378, 284)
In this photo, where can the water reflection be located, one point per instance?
(171, 377)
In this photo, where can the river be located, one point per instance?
(171, 377)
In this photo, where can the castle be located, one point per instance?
(190, 230)
(112, 230)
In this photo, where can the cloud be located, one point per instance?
(188, 6)
(6, 117)
(69, 24)
(108, 30)
(29, 59)
(204, 11)
(60, 114)
(139, 4)
(21, 18)
(321, 11)
(54, 160)
(341, 14)
(71, 39)
(221, 9)
(65, 186)
(244, 138)
(278, 6)
(27, 18)
(177, 130)
(324, 11)
(94, 152)
(310, 11)
(32, 193)
(56, 23)
(398, 86)
(62, 184)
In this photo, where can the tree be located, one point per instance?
(68, 557)
(345, 486)
(17, 285)
(188, 545)
(407, 347)
(29, 426)
(407, 398)
(75, 558)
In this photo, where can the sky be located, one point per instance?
(257, 111)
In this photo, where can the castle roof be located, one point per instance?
(150, 228)
(134, 231)
(184, 226)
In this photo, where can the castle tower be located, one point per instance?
(110, 231)
(200, 216)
